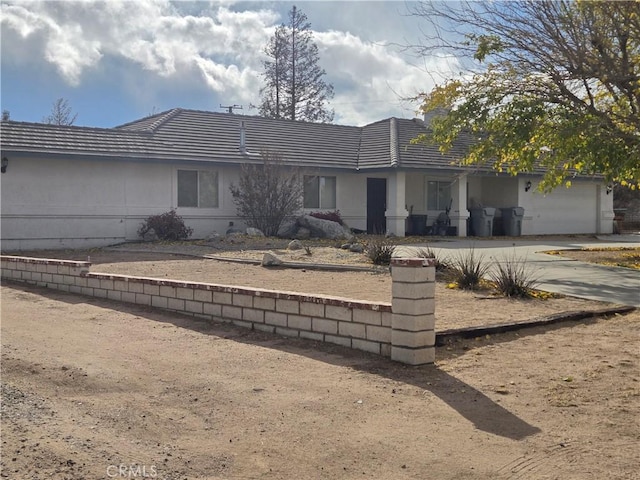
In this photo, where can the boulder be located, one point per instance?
(270, 260)
(356, 248)
(254, 232)
(233, 230)
(302, 234)
(213, 237)
(288, 228)
(294, 245)
(324, 228)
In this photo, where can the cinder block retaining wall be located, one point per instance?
(402, 330)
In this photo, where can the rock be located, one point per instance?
(288, 228)
(213, 237)
(270, 260)
(294, 245)
(325, 228)
(356, 248)
(233, 230)
(254, 232)
(345, 246)
(303, 234)
(390, 235)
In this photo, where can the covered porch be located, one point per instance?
(424, 203)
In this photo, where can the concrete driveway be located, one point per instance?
(556, 273)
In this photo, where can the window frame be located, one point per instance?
(320, 198)
(199, 188)
(440, 183)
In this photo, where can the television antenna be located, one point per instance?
(231, 108)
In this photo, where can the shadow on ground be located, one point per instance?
(473, 405)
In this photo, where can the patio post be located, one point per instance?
(459, 214)
(396, 212)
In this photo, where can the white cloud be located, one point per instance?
(370, 78)
(153, 34)
(210, 43)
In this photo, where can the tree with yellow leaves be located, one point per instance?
(550, 85)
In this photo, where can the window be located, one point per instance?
(319, 192)
(438, 195)
(197, 188)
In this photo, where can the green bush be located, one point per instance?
(168, 226)
(468, 269)
(512, 278)
(380, 250)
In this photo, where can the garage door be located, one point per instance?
(565, 210)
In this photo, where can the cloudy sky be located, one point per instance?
(117, 61)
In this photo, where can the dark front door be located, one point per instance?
(376, 205)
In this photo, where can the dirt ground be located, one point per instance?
(93, 389)
(454, 308)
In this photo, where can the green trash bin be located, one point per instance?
(512, 221)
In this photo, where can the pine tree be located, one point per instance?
(294, 86)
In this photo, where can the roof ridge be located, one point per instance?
(161, 118)
(394, 147)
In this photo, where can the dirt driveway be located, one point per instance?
(93, 389)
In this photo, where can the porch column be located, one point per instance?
(396, 212)
(605, 213)
(459, 213)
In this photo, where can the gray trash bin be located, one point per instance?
(418, 224)
(482, 221)
(512, 221)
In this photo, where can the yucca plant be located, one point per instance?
(468, 269)
(427, 252)
(380, 250)
(513, 279)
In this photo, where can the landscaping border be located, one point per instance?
(355, 324)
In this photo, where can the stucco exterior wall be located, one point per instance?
(66, 203)
(71, 203)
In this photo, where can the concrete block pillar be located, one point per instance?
(413, 337)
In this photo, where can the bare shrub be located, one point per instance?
(267, 193)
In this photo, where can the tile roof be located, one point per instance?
(199, 135)
(41, 138)
(192, 135)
